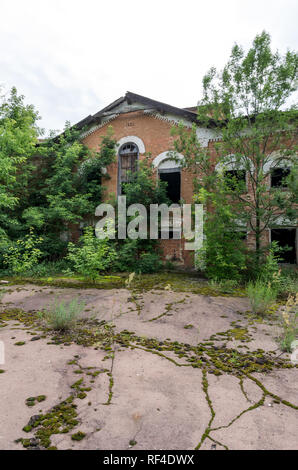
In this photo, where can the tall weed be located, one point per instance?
(62, 315)
(261, 296)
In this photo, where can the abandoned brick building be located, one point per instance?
(141, 126)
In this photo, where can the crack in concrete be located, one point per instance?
(205, 385)
(168, 309)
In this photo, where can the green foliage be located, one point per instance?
(245, 103)
(226, 286)
(292, 181)
(24, 254)
(261, 296)
(288, 283)
(143, 187)
(78, 436)
(283, 282)
(289, 323)
(223, 255)
(62, 315)
(149, 263)
(127, 254)
(269, 271)
(2, 292)
(70, 188)
(92, 255)
(248, 94)
(18, 138)
(141, 255)
(60, 182)
(47, 268)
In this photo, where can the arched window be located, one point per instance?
(128, 160)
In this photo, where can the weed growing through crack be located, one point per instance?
(2, 292)
(289, 323)
(62, 315)
(261, 296)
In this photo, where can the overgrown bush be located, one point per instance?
(284, 282)
(46, 269)
(24, 254)
(289, 323)
(62, 315)
(140, 256)
(224, 254)
(288, 283)
(225, 286)
(269, 269)
(261, 296)
(149, 263)
(127, 254)
(92, 255)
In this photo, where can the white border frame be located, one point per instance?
(132, 139)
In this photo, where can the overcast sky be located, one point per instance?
(70, 58)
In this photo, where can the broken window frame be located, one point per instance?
(281, 184)
(239, 180)
(131, 168)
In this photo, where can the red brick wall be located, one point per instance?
(156, 135)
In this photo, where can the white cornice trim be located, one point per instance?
(167, 118)
(104, 122)
(204, 135)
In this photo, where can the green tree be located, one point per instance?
(142, 255)
(143, 187)
(18, 138)
(244, 105)
(65, 186)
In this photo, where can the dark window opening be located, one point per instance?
(236, 179)
(278, 176)
(286, 238)
(128, 160)
(173, 180)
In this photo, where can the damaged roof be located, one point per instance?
(189, 114)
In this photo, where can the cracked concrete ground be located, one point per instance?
(139, 398)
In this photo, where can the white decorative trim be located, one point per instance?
(167, 118)
(168, 156)
(104, 122)
(135, 140)
(283, 222)
(204, 135)
(231, 163)
(286, 163)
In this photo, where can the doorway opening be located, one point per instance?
(173, 179)
(286, 238)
